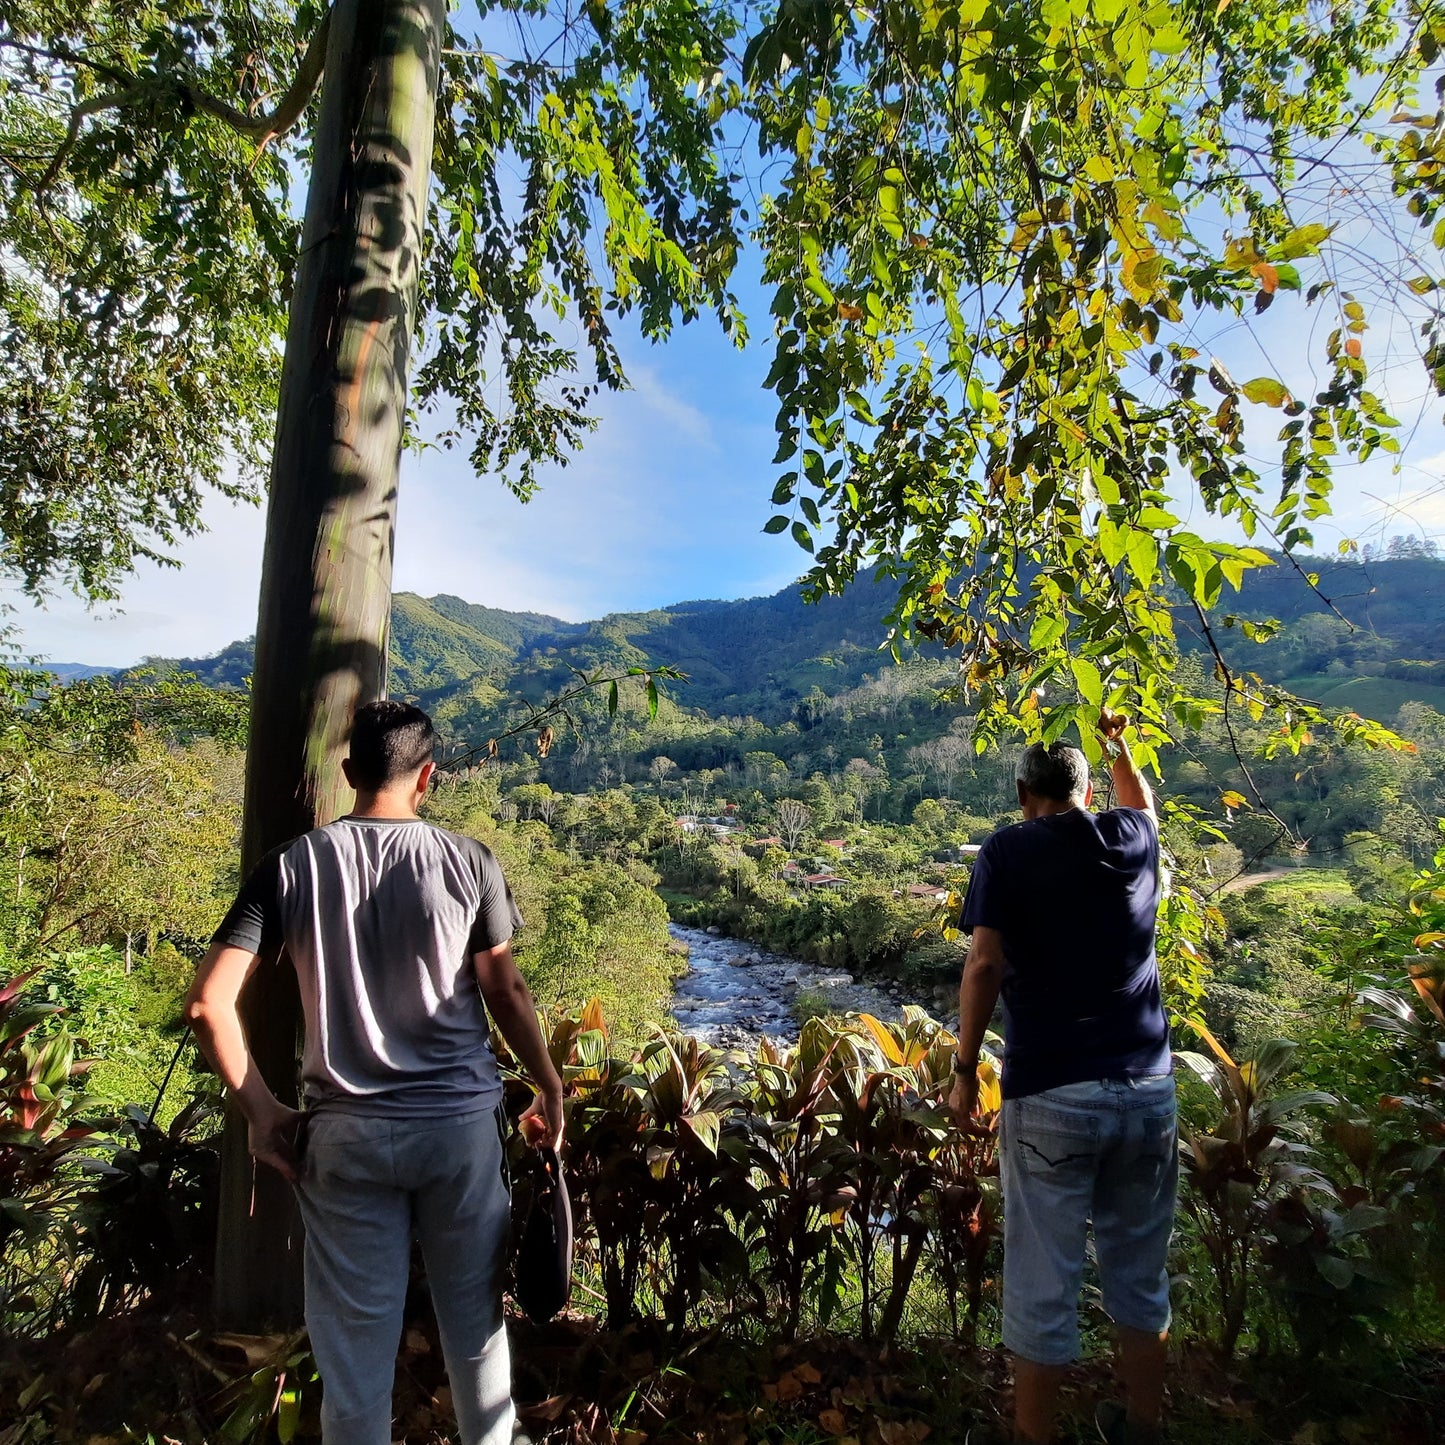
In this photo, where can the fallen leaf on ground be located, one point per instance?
(789, 1387)
(833, 1421)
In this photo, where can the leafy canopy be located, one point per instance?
(148, 234)
(999, 231)
(991, 234)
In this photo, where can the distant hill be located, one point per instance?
(1371, 638)
(75, 671)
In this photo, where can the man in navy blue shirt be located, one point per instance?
(1061, 910)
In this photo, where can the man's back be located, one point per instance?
(1074, 895)
(381, 918)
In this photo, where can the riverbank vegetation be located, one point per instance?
(763, 1204)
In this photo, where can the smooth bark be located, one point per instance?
(321, 636)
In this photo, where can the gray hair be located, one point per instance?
(1058, 771)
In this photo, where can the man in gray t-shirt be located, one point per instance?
(398, 931)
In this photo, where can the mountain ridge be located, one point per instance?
(1371, 632)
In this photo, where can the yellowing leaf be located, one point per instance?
(1266, 391)
(882, 1036)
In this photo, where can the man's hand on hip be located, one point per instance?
(275, 1140)
(543, 1122)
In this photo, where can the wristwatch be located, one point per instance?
(960, 1067)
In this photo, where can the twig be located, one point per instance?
(261, 128)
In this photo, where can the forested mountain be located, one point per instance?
(1370, 636)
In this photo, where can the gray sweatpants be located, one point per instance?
(366, 1185)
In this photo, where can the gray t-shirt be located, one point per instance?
(381, 918)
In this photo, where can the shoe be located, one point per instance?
(1112, 1418)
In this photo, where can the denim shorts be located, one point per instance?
(1104, 1152)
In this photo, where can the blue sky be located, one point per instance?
(667, 499)
(665, 503)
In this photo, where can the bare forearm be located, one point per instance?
(1131, 789)
(223, 1041)
(977, 997)
(515, 1015)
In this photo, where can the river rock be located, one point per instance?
(734, 993)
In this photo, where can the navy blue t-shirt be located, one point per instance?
(1074, 895)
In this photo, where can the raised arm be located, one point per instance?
(1131, 789)
(509, 1001)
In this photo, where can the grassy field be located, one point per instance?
(1377, 697)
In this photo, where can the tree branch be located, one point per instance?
(289, 108)
(262, 128)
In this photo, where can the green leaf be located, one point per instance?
(1266, 391)
(1156, 519)
(652, 698)
(1086, 676)
(774, 525)
(802, 536)
(1303, 241)
(1143, 558)
(612, 699)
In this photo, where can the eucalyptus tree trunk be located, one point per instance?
(321, 636)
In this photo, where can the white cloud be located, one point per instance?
(189, 611)
(653, 510)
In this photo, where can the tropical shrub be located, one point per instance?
(776, 1185)
(1235, 1173)
(147, 1221)
(42, 1125)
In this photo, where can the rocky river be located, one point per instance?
(735, 992)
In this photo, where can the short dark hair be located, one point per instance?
(389, 740)
(1058, 771)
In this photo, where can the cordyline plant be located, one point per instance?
(774, 1183)
(41, 1127)
(1235, 1173)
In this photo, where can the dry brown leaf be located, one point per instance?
(417, 1342)
(789, 1387)
(548, 1409)
(809, 1374)
(833, 1421)
(258, 1349)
